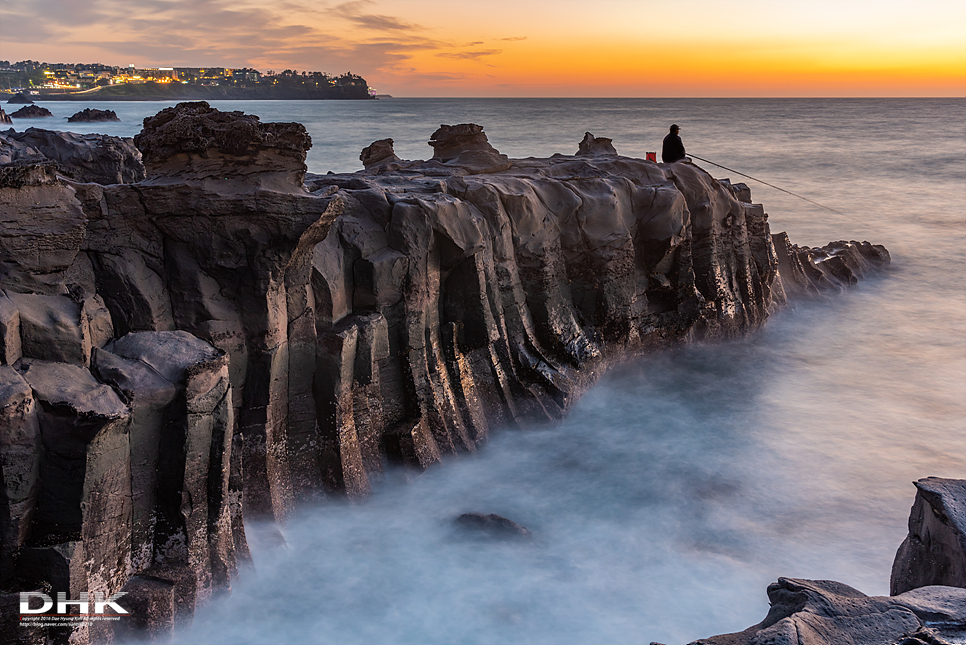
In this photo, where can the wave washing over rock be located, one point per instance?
(226, 336)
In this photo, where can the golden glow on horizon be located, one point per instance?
(530, 47)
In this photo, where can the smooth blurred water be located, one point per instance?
(686, 482)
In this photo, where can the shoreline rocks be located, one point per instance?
(20, 98)
(823, 612)
(934, 552)
(271, 343)
(96, 158)
(89, 115)
(928, 601)
(31, 112)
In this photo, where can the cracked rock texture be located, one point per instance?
(97, 158)
(235, 340)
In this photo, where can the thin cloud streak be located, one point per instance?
(477, 55)
(352, 11)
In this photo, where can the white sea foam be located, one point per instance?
(685, 483)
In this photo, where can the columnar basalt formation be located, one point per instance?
(237, 339)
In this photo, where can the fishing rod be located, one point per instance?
(767, 184)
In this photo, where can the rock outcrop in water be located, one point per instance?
(31, 112)
(822, 612)
(219, 335)
(21, 98)
(934, 552)
(928, 602)
(90, 115)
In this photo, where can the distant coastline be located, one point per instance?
(181, 92)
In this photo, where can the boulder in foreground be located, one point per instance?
(822, 612)
(934, 552)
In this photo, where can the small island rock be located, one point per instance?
(493, 526)
(31, 112)
(90, 115)
(19, 98)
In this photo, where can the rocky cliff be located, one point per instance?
(928, 602)
(227, 336)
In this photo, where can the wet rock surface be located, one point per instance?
(928, 602)
(239, 341)
(93, 115)
(934, 552)
(492, 526)
(822, 612)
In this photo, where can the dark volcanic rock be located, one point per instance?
(5, 118)
(934, 552)
(378, 153)
(31, 112)
(822, 612)
(493, 526)
(591, 145)
(42, 228)
(466, 145)
(262, 343)
(836, 265)
(195, 142)
(97, 158)
(90, 115)
(20, 98)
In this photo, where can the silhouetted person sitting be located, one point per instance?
(673, 149)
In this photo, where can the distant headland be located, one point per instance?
(96, 82)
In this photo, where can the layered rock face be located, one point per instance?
(96, 158)
(235, 336)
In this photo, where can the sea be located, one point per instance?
(685, 482)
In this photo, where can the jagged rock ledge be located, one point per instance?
(928, 602)
(237, 339)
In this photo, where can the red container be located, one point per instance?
(651, 156)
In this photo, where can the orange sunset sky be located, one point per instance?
(616, 48)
